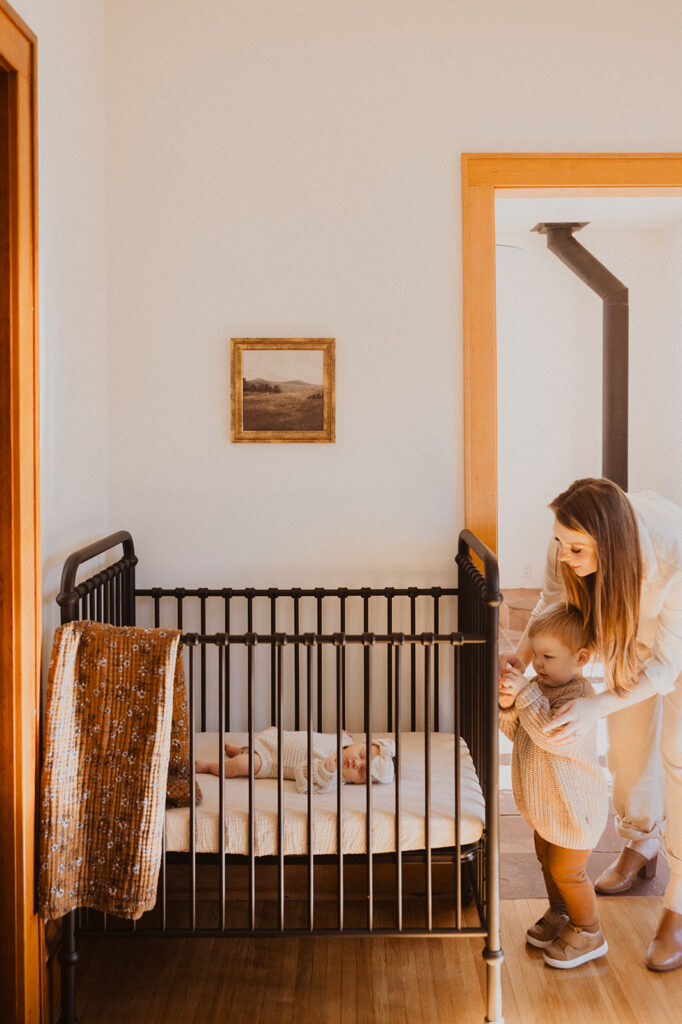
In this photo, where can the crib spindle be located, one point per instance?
(428, 649)
(309, 726)
(339, 648)
(252, 803)
(221, 787)
(280, 787)
(368, 641)
(398, 841)
(192, 810)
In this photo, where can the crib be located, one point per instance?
(419, 857)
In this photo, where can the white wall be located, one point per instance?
(292, 169)
(289, 168)
(549, 355)
(72, 280)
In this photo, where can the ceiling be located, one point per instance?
(523, 212)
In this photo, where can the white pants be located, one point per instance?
(645, 759)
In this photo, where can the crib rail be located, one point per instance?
(319, 611)
(108, 595)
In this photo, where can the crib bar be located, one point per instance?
(340, 664)
(273, 657)
(227, 666)
(389, 664)
(192, 810)
(368, 779)
(221, 788)
(162, 878)
(436, 664)
(252, 805)
(309, 727)
(203, 663)
(178, 617)
(342, 627)
(319, 597)
(413, 661)
(427, 783)
(68, 958)
(304, 933)
(489, 599)
(297, 667)
(298, 639)
(398, 841)
(280, 791)
(457, 732)
(299, 592)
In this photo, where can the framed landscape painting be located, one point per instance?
(283, 390)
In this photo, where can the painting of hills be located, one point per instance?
(283, 389)
(282, 405)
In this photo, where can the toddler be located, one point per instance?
(295, 759)
(559, 788)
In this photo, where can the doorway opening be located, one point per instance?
(486, 177)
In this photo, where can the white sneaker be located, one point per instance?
(575, 946)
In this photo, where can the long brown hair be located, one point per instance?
(609, 599)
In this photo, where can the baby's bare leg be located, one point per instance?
(235, 767)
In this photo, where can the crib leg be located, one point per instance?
(493, 977)
(68, 958)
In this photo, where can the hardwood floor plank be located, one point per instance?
(349, 1006)
(379, 980)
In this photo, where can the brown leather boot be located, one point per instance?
(665, 951)
(620, 875)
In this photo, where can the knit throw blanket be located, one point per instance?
(116, 751)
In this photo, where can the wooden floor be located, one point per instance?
(372, 981)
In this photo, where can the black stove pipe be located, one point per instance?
(614, 294)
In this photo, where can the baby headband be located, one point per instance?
(382, 763)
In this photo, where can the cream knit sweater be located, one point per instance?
(295, 757)
(559, 789)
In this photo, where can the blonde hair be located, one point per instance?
(609, 599)
(565, 623)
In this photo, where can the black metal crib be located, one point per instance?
(396, 659)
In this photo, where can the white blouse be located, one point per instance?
(659, 634)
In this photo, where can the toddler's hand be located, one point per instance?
(330, 763)
(505, 699)
(514, 681)
(507, 661)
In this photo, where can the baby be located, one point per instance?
(559, 788)
(295, 759)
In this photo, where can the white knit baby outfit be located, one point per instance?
(295, 757)
(559, 788)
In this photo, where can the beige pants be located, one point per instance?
(645, 759)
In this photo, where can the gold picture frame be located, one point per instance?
(283, 390)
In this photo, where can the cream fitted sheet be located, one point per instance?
(412, 796)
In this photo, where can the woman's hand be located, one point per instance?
(574, 720)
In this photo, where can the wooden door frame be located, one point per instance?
(483, 174)
(21, 934)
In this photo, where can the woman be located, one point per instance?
(618, 558)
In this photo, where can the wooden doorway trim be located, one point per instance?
(482, 175)
(21, 942)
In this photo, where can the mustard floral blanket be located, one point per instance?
(116, 750)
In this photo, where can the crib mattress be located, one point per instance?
(412, 798)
